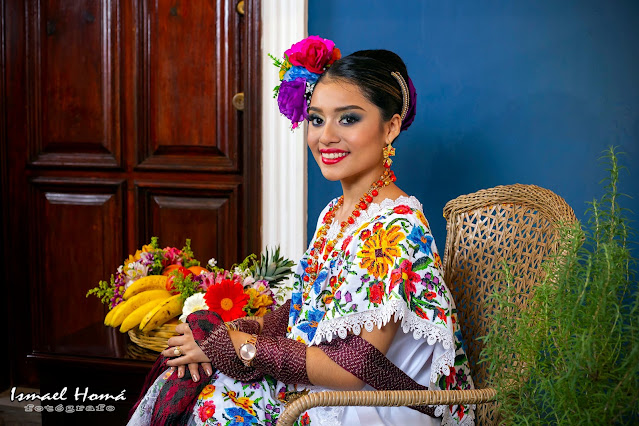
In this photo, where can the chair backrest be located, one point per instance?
(516, 223)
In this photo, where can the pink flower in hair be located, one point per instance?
(313, 53)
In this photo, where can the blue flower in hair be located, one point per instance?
(300, 72)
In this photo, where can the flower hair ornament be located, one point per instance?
(302, 65)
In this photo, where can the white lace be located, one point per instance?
(379, 317)
(373, 210)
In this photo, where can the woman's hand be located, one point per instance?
(185, 351)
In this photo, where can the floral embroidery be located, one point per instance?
(239, 417)
(207, 410)
(350, 285)
(402, 209)
(423, 240)
(376, 293)
(207, 391)
(380, 250)
(404, 275)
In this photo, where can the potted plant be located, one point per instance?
(572, 356)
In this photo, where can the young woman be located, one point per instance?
(369, 309)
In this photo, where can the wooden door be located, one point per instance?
(120, 126)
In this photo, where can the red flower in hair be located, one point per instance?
(227, 299)
(313, 53)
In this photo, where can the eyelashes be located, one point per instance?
(346, 119)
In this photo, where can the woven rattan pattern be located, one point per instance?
(515, 223)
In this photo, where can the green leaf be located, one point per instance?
(422, 263)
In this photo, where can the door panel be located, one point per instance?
(73, 93)
(189, 77)
(79, 224)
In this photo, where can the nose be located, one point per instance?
(329, 134)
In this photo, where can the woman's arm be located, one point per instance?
(321, 370)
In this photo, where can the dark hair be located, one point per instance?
(370, 70)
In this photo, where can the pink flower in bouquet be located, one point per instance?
(172, 256)
(313, 53)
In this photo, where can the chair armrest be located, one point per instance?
(382, 399)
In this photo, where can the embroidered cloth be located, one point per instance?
(388, 268)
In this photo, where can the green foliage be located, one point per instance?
(188, 255)
(572, 357)
(104, 291)
(183, 284)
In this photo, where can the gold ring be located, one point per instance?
(177, 351)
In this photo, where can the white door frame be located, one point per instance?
(284, 207)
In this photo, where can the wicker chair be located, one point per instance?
(516, 223)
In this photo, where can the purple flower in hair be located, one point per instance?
(292, 100)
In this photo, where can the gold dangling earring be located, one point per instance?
(388, 152)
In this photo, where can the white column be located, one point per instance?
(284, 211)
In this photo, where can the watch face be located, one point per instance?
(247, 351)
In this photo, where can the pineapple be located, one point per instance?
(272, 267)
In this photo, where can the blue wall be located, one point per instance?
(508, 92)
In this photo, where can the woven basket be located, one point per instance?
(156, 339)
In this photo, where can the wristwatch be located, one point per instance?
(248, 350)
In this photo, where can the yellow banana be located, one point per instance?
(134, 318)
(135, 302)
(108, 319)
(150, 282)
(162, 313)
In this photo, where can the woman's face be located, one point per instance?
(346, 133)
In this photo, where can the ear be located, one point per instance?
(393, 127)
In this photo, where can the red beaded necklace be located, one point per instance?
(313, 261)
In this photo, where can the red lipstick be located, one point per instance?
(332, 155)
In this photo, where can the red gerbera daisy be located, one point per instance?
(227, 299)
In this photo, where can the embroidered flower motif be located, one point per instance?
(441, 314)
(402, 209)
(206, 411)
(305, 420)
(207, 392)
(421, 313)
(450, 379)
(422, 218)
(422, 239)
(309, 325)
(346, 242)
(405, 275)
(240, 417)
(379, 251)
(376, 292)
(438, 260)
(227, 299)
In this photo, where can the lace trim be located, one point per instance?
(373, 210)
(410, 322)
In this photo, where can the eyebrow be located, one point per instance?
(340, 109)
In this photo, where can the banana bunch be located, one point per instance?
(147, 303)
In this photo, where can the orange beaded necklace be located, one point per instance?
(324, 247)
